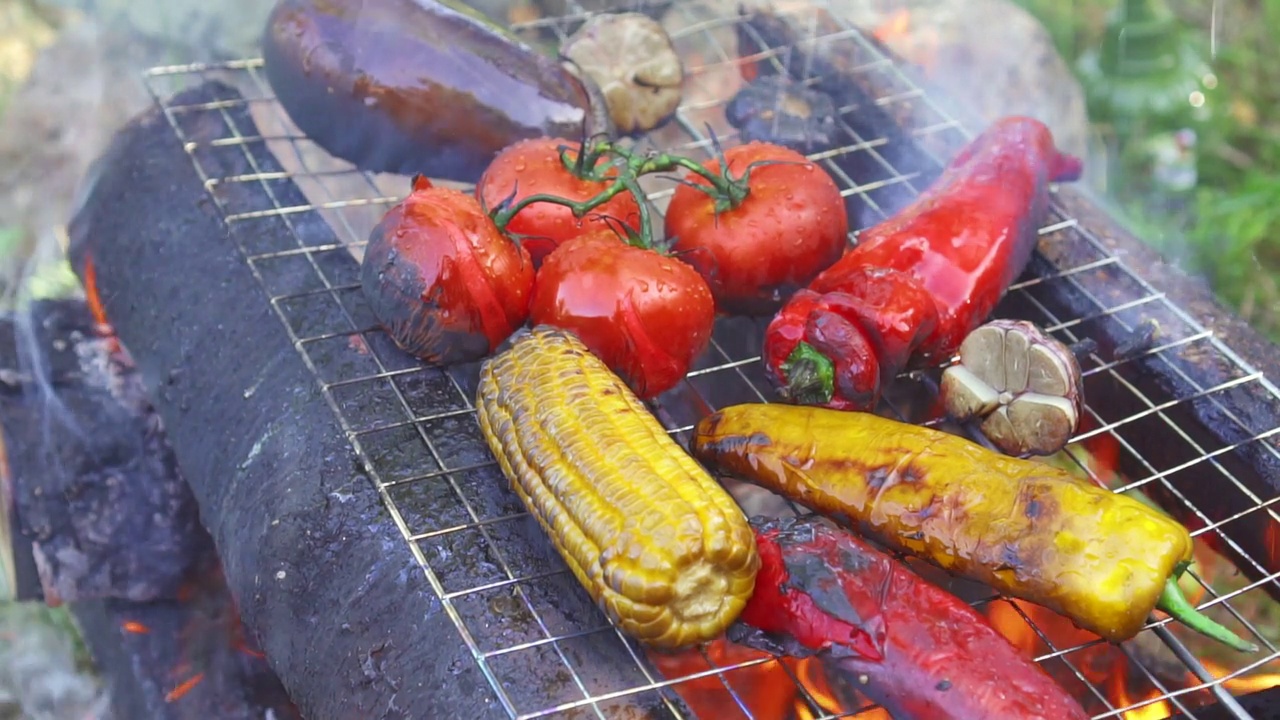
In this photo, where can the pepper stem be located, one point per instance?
(810, 376)
(1172, 601)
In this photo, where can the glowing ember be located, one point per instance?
(184, 687)
(764, 689)
(135, 628)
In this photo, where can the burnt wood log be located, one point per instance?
(97, 498)
(180, 659)
(106, 524)
(325, 580)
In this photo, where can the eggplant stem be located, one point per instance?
(1173, 602)
(810, 376)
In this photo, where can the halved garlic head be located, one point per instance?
(631, 58)
(1024, 385)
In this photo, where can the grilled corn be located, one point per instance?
(660, 546)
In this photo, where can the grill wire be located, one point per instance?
(440, 485)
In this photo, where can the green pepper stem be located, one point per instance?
(1172, 601)
(810, 376)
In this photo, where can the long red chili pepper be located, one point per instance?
(916, 284)
(914, 649)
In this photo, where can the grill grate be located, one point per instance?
(414, 428)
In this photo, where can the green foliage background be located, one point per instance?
(1228, 230)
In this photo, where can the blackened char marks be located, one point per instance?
(845, 69)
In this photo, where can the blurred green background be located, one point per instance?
(1226, 227)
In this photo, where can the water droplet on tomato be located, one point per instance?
(521, 167)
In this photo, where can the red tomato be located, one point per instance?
(444, 282)
(533, 167)
(646, 315)
(790, 227)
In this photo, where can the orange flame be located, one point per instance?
(93, 299)
(134, 627)
(765, 690)
(894, 27)
(774, 688)
(1254, 682)
(1118, 688)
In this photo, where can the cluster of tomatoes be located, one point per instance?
(451, 275)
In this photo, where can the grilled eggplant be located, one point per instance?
(419, 86)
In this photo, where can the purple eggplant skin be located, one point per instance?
(419, 86)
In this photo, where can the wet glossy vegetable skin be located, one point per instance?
(946, 259)
(446, 285)
(911, 647)
(409, 86)
(1029, 530)
(790, 225)
(647, 316)
(534, 167)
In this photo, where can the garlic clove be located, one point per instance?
(982, 352)
(969, 395)
(1048, 372)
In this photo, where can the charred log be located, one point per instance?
(326, 582)
(97, 497)
(181, 659)
(106, 524)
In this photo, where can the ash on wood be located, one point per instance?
(96, 492)
(104, 515)
(326, 581)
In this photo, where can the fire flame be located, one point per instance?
(895, 27)
(767, 689)
(917, 44)
(94, 300)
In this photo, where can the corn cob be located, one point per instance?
(659, 545)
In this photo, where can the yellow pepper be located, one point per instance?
(1029, 530)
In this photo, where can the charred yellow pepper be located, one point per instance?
(1027, 529)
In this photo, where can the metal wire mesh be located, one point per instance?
(415, 431)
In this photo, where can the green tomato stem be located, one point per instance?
(728, 191)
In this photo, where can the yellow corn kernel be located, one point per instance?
(661, 547)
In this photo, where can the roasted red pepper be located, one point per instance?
(914, 649)
(917, 283)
